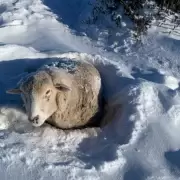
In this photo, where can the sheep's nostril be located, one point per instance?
(35, 119)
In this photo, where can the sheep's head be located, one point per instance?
(39, 93)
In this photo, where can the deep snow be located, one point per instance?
(141, 142)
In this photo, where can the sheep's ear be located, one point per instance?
(62, 87)
(60, 78)
(14, 91)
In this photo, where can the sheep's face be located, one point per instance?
(39, 95)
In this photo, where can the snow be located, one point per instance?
(141, 82)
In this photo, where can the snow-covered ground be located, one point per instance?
(142, 141)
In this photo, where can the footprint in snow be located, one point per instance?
(155, 76)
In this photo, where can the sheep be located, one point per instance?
(66, 94)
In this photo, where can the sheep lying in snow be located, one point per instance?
(67, 94)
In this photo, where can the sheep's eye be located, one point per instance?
(47, 92)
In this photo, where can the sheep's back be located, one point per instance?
(83, 103)
(89, 83)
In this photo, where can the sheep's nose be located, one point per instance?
(35, 119)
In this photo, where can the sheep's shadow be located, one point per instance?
(112, 79)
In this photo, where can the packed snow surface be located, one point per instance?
(141, 142)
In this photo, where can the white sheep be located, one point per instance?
(66, 94)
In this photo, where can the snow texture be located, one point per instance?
(142, 140)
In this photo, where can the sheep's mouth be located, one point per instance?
(37, 123)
